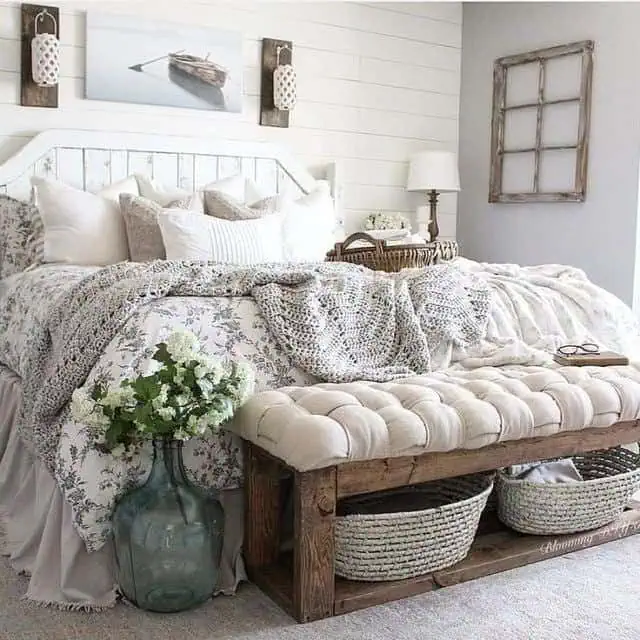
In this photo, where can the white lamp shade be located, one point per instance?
(433, 170)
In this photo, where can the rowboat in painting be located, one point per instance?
(199, 76)
(201, 69)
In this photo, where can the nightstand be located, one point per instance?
(380, 256)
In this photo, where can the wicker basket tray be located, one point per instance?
(409, 532)
(381, 257)
(611, 477)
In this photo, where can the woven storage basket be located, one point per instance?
(611, 477)
(409, 532)
(381, 257)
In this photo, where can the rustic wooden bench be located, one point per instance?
(303, 581)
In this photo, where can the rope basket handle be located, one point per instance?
(379, 245)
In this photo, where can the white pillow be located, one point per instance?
(243, 189)
(113, 191)
(309, 225)
(80, 227)
(240, 242)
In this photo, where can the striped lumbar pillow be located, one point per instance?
(240, 242)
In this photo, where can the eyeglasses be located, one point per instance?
(586, 348)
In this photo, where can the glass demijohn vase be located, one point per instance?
(167, 537)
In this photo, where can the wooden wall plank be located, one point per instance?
(377, 81)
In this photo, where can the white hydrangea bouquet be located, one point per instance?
(188, 394)
(380, 221)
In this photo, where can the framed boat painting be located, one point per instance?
(130, 59)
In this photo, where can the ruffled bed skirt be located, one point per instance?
(39, 537)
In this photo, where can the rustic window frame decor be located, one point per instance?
(500, 108)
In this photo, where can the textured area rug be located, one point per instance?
(588, 595)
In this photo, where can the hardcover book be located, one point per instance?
(602, 359)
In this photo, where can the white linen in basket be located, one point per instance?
(240, 242)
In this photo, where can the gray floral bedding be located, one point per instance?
(90, 481)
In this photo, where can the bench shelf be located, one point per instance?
(303, 581)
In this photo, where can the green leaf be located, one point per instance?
(162, 355)
(98, 392)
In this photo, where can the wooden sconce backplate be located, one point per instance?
(269, 115)
(31, 95)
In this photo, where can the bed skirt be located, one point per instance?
(39, 537)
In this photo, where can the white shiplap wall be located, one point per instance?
(376, 81)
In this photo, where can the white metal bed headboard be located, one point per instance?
(91, 160)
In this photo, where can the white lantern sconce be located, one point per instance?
(45, 52)
(278, 91)
(40, 69)
(284, 83)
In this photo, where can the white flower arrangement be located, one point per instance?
(380, 220)
(187, 395)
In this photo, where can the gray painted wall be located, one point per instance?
(598, 235)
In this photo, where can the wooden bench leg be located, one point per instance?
(314, 508)
(262, 509)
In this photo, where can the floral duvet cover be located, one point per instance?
(90, 481)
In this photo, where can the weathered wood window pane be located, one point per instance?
(520, 129)
(557, 170)
(522, 84)
(541, 103)
(517, 176)
(560, 124)
(562, 78)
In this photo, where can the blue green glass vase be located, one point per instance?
(167, 537)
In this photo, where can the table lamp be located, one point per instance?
(434, 172)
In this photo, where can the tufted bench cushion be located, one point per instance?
(326, 424)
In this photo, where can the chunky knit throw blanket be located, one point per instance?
(338, 322)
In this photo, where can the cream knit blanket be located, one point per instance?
(338, 322)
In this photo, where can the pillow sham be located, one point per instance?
(309, 226)
(221, 205)
(238, 187)
(80, 227)
(113, 191)
(241, 242)
(141, 222)
(21, 236)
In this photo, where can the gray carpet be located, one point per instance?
(588, 595)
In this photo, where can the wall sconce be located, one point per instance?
(40, 69)
(278, 91)
(45, 53)
(284, 83)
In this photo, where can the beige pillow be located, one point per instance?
(141, 222)
(221, 205)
